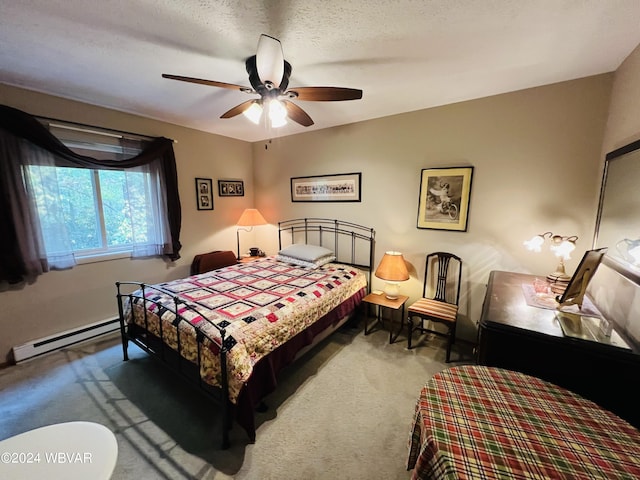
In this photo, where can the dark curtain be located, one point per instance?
(18, 241)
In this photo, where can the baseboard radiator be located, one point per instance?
(63, 339)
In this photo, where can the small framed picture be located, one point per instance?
(231, 188)
(204, 195)
(444, 198)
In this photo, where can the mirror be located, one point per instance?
(618, 220)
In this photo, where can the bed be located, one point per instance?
(485, 422)
(231, 330)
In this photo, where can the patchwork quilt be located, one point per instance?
(260, 305)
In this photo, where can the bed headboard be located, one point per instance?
(353, 244)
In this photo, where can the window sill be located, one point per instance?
(104, 257)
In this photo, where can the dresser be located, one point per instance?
(515, 335)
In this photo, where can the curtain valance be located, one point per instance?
(15, 263)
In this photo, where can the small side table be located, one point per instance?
(381, 301)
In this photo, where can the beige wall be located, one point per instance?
(62, 300)
(618, 297)
(536, 158)
(623, 123)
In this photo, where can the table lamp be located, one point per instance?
(392, 269)
(561, 247)
(630, 250)
(249, 218)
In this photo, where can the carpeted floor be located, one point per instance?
(343, 411)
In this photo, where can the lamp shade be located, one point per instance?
(630, 250)
(254, 112)
(535, 244)
(392, 268)
(251, 217)
(277, 113)
(270, 60)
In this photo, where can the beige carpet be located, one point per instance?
(342, 412)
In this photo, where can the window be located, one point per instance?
(103, 198)
(86, 212)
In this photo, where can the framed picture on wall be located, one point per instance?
(231, 188)
(344, 187)
(204, 195)
(443, 203)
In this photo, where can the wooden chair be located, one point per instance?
(440, 297)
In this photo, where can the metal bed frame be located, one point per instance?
(329, 233)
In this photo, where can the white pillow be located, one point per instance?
(304, 263)
(307, 253)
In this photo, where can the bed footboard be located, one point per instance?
(152, 339)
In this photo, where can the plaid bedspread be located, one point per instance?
(260, 305)
(475, 422)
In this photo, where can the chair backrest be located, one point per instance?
(442, 276)
(205, 262)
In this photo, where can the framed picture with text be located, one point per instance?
(204, 195)
(343, 187)
(443, 203)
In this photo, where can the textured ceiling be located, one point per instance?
(405, 55)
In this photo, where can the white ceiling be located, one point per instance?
(405, 55)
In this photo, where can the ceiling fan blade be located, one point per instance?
(324, 94)
(211, 83)
(238, 109)
(298, 115)
(270, 60)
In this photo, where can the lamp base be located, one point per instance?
(558, 282)
(392, 290)
(559, 279)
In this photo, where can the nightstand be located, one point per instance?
(381, 301)
(249, 259)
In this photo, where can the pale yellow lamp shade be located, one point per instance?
(251, 217)
(392, 268)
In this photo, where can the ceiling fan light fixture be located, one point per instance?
(269, 78)
(270, 60)
(254, 112)
(280, 122)
(277, 113)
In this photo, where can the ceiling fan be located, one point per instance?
(269, 76)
